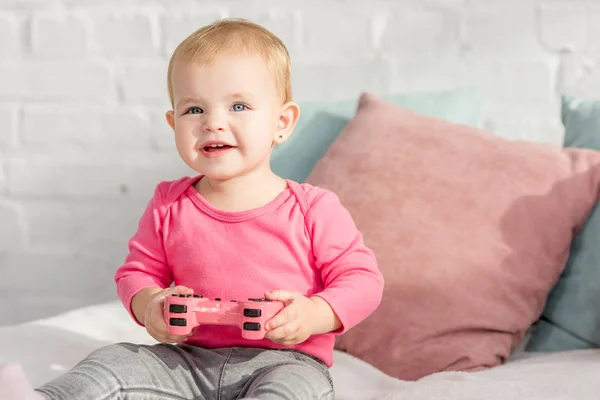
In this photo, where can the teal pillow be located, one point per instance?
(320, 124)
(571, 318)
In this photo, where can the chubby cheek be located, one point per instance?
(185, 142)
(255, 136)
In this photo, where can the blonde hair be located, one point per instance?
(241, 36)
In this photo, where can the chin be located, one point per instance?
(212, 172)
(222, 171)
(219, 175)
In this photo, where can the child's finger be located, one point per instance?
(286, 315)
(178, 290)
(281, 295)
(286, 331)
(176, 338)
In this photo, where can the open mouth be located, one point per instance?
(211, 148)
(215, 149)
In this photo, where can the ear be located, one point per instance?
(288, 118)
(171, 119)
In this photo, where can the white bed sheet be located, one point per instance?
(51, 346)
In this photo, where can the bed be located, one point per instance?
(50, 346)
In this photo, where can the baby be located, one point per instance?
(234, 231)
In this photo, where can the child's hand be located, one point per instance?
(154, 319)
(293, 324)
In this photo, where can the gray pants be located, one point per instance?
(163, 371)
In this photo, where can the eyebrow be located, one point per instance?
(185, 101)
(235, 96)
(240, 95)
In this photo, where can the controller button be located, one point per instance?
(251, 326)
(252, 312)
(178, 308)
(177, 322)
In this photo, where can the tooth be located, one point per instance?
(213, 145)
(219, 145)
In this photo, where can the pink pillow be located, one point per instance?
(471, 232)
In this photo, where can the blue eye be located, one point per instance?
(195, 110)
(239, 107)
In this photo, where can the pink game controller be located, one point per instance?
(183, 312)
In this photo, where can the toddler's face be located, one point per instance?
(226, 115)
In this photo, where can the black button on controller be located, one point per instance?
(178, 308)
(251, 326)
(178, 322)
(252, 312)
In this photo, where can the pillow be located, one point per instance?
(571, 319)
(471, 232)
(321, 122)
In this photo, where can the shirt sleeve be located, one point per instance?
(146, 263)
(353, 284)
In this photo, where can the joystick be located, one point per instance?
(183, 312)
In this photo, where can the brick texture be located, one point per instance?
(83, 138)
(8, 127)
(11, 38)
(58, 80)
(12, 234)
(60, 35)
(125, 35)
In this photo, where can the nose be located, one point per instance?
(213, 122)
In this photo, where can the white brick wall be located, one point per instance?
(83, 139)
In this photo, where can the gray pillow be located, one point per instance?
(571, 318)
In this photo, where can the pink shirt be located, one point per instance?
(304, 240)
